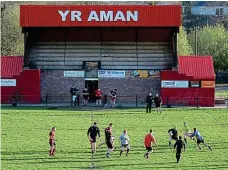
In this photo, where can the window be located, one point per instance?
(219, 11)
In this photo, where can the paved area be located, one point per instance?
(93, 106)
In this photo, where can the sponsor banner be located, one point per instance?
(174, 84)
(153, 73)
(170, 84)
(140, 73)
(181, 84)
(208, 84)
(111, 73)
(8, 82)
(194, 83)
(74, 73)
(146, 73)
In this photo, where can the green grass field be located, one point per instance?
(25, 138)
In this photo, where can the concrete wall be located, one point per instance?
(56, 86)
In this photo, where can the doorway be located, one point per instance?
(91, 85)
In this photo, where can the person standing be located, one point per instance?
(148, 140)
(158, 103)
(92, 133)
(73, 92)
(52, 142)
(85, 96)
(109, 140)
(149, 101)
(98, 97)
(124, 142)
(199, 138)
(179, 145)
(113, 97)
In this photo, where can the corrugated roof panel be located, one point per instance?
(199, 67)
(11, 66)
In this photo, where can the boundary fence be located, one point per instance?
(121, 101)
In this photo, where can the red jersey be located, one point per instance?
(98, 93)
(148, 139)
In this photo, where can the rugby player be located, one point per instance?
(179, 145)
(148, 140)
(186, 131)
(52, 141)
(124, 142)
(199, 138)
(109, 140)
(92, 133)
(172, 135)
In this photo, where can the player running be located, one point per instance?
(148, 140)
(172, 135)
(179, 145)
(158, 103)
(124, 142)
(113, 97)
(92, 133)
(199, 138)
(85, 96)
(109, 140)
(186, 131)
(98, 97)
(52, 141)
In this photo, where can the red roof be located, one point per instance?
(11, 66)
(199, 67)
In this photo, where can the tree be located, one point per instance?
(11, 34)
(183, 46)
(213, 41)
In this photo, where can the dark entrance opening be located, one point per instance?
(92, 86)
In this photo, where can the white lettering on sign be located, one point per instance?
(102, 16)
(111, 74)
(63, 15)
(93, 16)
(119, 16)
(8, 82)
(76, 14)
(106, 16)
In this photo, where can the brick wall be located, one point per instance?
(57, 87)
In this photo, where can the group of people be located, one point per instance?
(180, 145)
(157, 100)
(98, 95)
(94, 131)
(149, 140)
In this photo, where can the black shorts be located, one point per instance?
(98, 97)
(149, 149)
(109, 145)
(200, 141)
(174, 137)
(93, 139)
(85, 97)
(124, 145)
(157, 104)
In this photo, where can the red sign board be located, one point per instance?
(99, 15)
